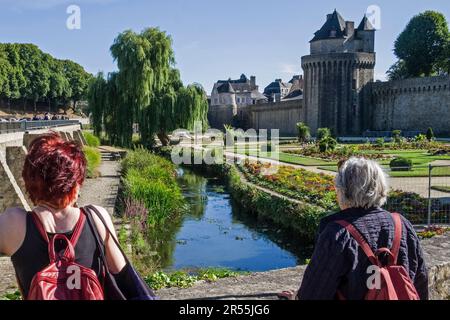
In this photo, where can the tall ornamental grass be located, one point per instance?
(94, 160)
(151, 180)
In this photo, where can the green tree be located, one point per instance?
(146, 90)
(78, 80)
(422, 44)
(398, 71)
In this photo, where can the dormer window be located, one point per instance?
(333, 33)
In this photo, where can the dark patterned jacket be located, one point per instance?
(339, 263)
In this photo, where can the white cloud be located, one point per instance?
(290, 69)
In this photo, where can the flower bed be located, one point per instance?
(342, 152)
(300, 184)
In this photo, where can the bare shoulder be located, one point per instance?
(12, 229)
(107, 217)
(12, 217)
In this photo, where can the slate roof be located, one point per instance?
(275, 87)
(365, 25)
(334, 23)
(242, 79)
(225, 87)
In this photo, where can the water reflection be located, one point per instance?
(214, 233)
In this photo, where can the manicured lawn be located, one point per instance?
(441, 188)
(285, 157)
(417, 171)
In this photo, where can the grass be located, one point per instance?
(441, 188)
(151, 179)
(285, 157)
(91, 139)
(416, 171)
(185, 279)
(94, 159)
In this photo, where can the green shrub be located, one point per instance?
(420, 138)
(430, 134)
(401, 164)
(323, 133)
(94, 159)
(327, 144)
(303, 132)
(397, 135)
(91, 139)
(379, 142)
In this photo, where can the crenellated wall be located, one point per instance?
(411, 104)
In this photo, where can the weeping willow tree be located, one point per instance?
(146, 90)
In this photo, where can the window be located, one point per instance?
(354, 84)
(216, 100)
(238, 100)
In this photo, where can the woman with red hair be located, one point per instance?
(54, 172)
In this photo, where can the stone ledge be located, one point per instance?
(265, 285)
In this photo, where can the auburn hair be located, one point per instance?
(53, 168)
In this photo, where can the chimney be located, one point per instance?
(253, 81)
(349, 28)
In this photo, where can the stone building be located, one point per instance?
(338, 91)
(279, 90)
(340, 64)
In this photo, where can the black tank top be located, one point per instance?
(32, 256)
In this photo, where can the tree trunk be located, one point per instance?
(164, 138)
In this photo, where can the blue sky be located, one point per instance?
(212, 39)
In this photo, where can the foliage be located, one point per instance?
(430, 134)
(29, 75)
(432, 231)
(380, 142)
(303, 132)
(401, 164)
(327, 144)
(16, 295)
(423, 43)
(398, 71)
(94, 160)
(396, 135)
(300, 184)
(91, 140)
(183, 279)
(151, 180)
(146, 90)
(302, 218)
(323, 133)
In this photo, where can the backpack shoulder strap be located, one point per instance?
(360, 239)
(397, 235)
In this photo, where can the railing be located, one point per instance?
(22, 126)
(424, 199)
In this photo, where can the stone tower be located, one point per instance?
(336, 73)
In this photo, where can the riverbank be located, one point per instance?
(266, 285)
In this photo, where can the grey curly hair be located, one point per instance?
(362, 183)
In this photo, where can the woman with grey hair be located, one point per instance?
(339, 267)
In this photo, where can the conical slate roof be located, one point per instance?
(336, 23)
(225, 88)
(365, 24)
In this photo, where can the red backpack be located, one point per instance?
(63, 278)
(394, 280)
